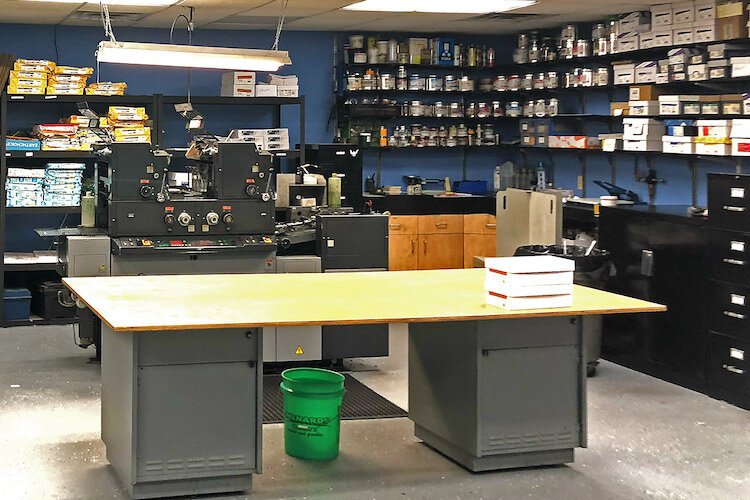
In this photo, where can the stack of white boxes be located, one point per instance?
(269, 139)
(642, 134)
(238, 84)
(740, 137)
(278, 86)
(538, 282)
(714, 137)
(680, 23)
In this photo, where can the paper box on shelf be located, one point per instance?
(232, 78)
(678, 145)
(611, 142)
(725, 50)
(624, 73)
(238, 91)
(697, 72)
(528, 139)
(701, 58)
(266, 90)
(681, 128)
(661, 15)
(637, 22)
(22, 145)
(704, 32)
(705, 10)
(282, 80)
(683, 33)
(681, 55)
(619, 108)
(662, 37)
(573, 142)
(287, 91)
(646, 40)
(730, 9)
(740, 128)
(731, 104)
(673, 104)
(710, 104)
(719, 68)
(627, 42)
(740, 66)
(662, 78)
(683, 12)
(678, 76)
(636, 145)
(713, 149)
(644, 108)
(643, 129)
(644, 93)
(646, 71)
(741, 147)
(714, 128)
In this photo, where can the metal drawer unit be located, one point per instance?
(728, 365)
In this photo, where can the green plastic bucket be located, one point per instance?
(312, 412)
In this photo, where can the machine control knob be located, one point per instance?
(147, 191)
(212, 218)
(266, 197)
(228, 218)
(252, 190)
(184, 219)
(170, 219)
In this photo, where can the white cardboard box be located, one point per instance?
(627, 42)
(528, 291)
(705, 32)
(713, 149)
(642, 129)
(232, 78)
(714, 128)
(678, 145)
(646, 71)
(283, 80)
(633, 145)
(683, 33)
(524, 303)
(683, 12)
(287, 91)
(646, 40)
(644, 108)
(705, 10)
(673, 104)
(740, 128)
(662, 78)
(663, 38)
(637, 22)
(741, 147)
(624, 74)
(265, 90)
(697, 72)
(661, 15)
(740, 66)
(238, 91)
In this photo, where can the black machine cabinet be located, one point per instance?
(241, 175)
(342, 159)
(659, 254)
(351, 243)
(728, 364)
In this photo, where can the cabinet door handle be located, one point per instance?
(734, 315)
(425, 247)
(395, 227)
(413, 246)
(731, 208)
(734, 262)
(491, 226)
(441, 225)
(733, 369)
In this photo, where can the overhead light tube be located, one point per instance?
(440, 6)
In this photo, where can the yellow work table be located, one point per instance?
(182, 368)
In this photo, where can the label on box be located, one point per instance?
(738, 300)
(737, 354)
(737, 246)
(737, 192)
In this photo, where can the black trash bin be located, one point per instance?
(590, 270)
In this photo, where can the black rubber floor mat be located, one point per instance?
(360, 402)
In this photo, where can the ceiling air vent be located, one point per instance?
(506, 16)
(117, 17)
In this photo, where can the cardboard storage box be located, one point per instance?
(644, 93)
(266, 90)
(644, 108)
(741, 147)
(673, 104)
(232, 78)
(634, 145)
(692, 107)
(642, 129)
(661, 15)
(746, 104)
(720, 129)
(646, 40)
(283, 80)
(287, 91)
(611, 142)
(683, 33)
(238, 91)
(678, 145)
(662, 78)
(710, 104)
(681, 55)
(681, 128)
(697, 72)
(719, 68)
(705, 10)
(731, 21)
(683, 12)
(627, 42)
(637, 22)
(573, 142)
(624, 73)
(740, 66)
(713, 149)
(731, 104)
(662, 37)
(646, 71)
(619, 108)
(704, 32)
(740, 128)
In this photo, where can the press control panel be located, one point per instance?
(146, 245)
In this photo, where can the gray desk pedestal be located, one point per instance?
(499, 394)
(182, 411)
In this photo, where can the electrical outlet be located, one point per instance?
(580, 182)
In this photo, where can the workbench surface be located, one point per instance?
(148, 303)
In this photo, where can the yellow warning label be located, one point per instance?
(299, 351)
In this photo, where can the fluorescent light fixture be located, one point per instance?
(137, 3)
(440, 6)
(189, 56)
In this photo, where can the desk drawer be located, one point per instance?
(728, 366)
(729, 202)
(729, 256)
(403, 224)
(729, 312)
(199, 346)
(480, 224)
(441, 224)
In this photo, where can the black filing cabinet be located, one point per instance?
(728, 363)
(344, 160)
(658, 254)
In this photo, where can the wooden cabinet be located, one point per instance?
(439, 241)
(479, 237)
(403, 243)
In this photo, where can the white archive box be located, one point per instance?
(682, 33)
(714, 128)
(287, 91)
(646, 40)
(674, 104)
(529, 271)
(662, 37)
(266, 90)
(238, 91)
(644, 108)
(524, 303)
(713, 149)
(646, 71)
(624, 73)
(683, 12)
(661, 15)
(283, 80)
(704, 32)
(741, 147)
(678, 145)
(636, 145)
(642, 129)
(636, 22)
(627, 42)
(510, 289)
(740, 128)
(705, 10)
(232, 78)
(740, 66)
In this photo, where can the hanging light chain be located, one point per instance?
(282, 17)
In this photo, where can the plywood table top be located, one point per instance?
(151, 303)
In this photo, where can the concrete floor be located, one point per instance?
(647, 438)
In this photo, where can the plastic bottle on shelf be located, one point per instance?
(497, 179)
